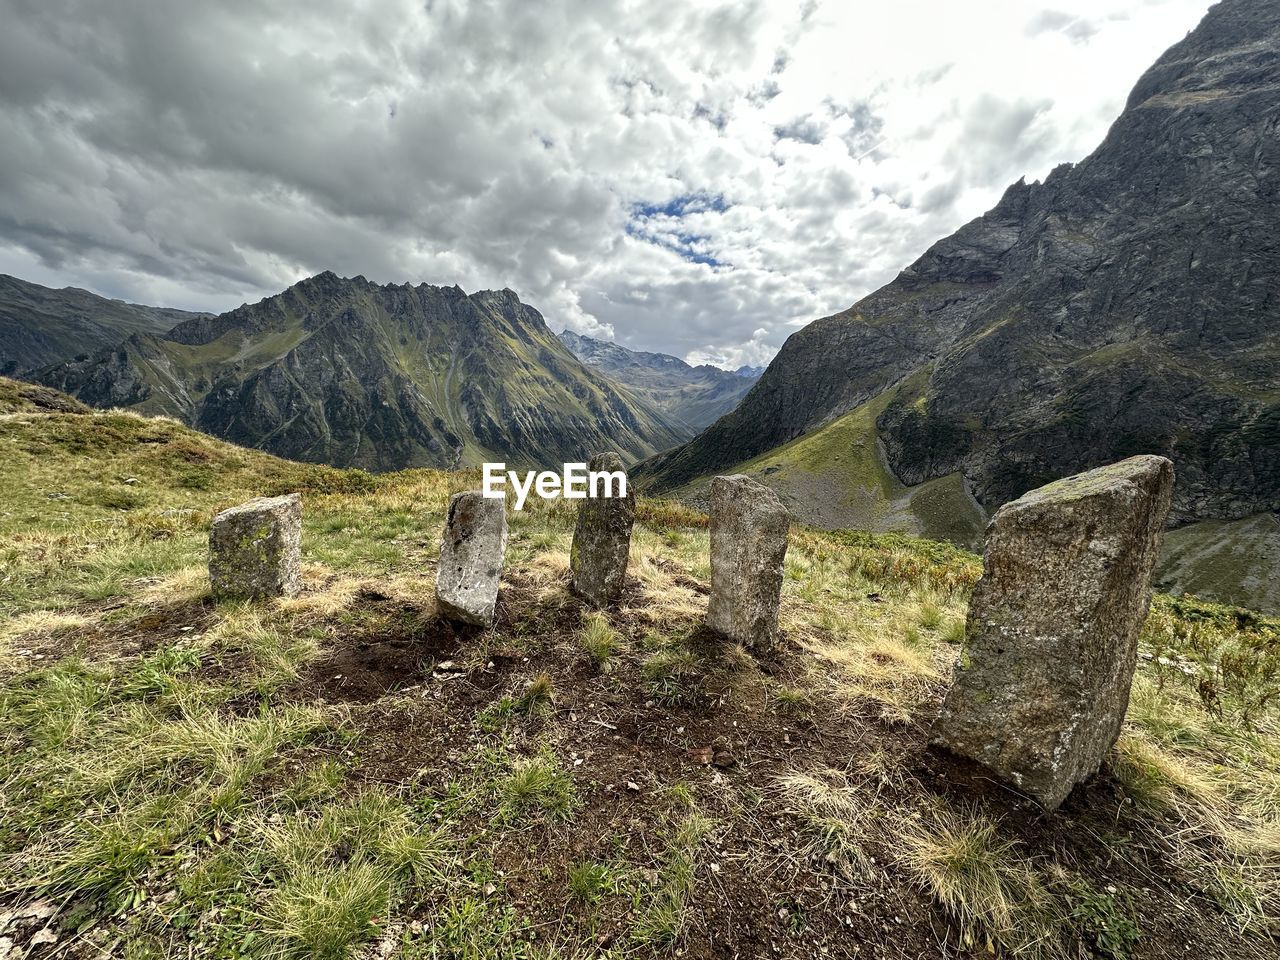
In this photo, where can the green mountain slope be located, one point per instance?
(40, 326)
(1229, 559)
(837, 477)
(350, 373)
(693, 397)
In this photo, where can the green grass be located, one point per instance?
(591, 882)
(599, 640)
(95, 544)
(533, 701)
(536, 788)
(470, 928)
(663, 906)
(672, 674)
(338, 871)
(144, 749)
(1104, 921)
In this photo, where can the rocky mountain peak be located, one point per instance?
(353, 373)
(1232, 50)
(693, 396)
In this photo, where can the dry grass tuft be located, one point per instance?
(898, 678)
(840, 820)
(996, 898)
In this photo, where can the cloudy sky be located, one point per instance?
(697, 178)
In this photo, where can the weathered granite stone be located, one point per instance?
(748, 545)
(255, 549)
(471, 554)
(602, 540)
(1042, 686)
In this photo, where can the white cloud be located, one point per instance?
(693, 177)
(755, 352)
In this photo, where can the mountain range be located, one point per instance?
(40, 326)
(693, 397)
(1128, 304)
(352, 373)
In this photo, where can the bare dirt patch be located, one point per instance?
(106, 636)
(362, 668)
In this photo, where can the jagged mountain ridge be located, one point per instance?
(40, 325)
(352, 373)
(694, 397)
(1130, 303)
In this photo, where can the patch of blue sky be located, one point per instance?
(661, 224)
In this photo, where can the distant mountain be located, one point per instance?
(351, 373)
(1128, 304)
(694, 397)
(40, 326)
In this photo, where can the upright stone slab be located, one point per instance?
(471, 554)
(255, 549)
(602, 540)
(748, 545)
(1051, 644)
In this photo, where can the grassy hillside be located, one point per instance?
(343, 773)
(40, 325)
(1239, 558)
(836, 477)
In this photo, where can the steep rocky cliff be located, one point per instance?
(1128, 304)
(692, 397)
(351, 373)
(40, 325)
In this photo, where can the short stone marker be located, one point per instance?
(255, 549)
(471, 553)
(602, 540)
(749, 528)
(1051, 644)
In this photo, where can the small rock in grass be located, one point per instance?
(255, 549)
(749, 528)
(472, 550)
